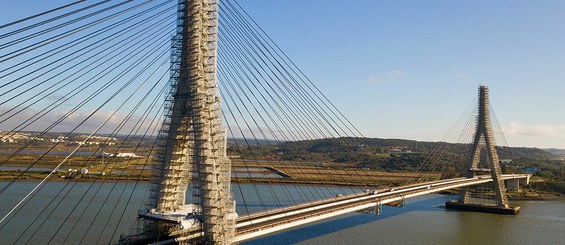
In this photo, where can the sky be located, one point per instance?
(408, 69)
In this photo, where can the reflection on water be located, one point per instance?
(254, 173)
(41, 152)
(425, 221)
(18, 168)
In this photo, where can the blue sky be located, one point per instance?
(408, 69)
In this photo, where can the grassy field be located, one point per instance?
(139, 168)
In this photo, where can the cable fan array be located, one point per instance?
(102, 71)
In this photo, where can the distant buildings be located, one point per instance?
(88, 140)
(505, 161)
(120, 154)
(399, 149)
(8, 140)
(10, 137)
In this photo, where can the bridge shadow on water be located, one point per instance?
(325, 227)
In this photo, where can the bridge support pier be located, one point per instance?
(456, 204)
(486, 198)
(513, 184)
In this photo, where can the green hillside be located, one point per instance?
(384, 154)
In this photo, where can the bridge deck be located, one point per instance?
(266, 222)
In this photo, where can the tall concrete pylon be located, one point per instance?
(484, 140)
(484, 133)
(193, 138)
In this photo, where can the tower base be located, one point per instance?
(455, 204)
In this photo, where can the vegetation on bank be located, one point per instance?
(549, 186)
(394, 154)
(304, 160)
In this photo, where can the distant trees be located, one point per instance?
(450, 172)
(392, 154)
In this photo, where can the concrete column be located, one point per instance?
(513, 184)
(525, 181)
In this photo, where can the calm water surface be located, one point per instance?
(425, 221)
(422, 221)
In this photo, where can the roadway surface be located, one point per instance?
(266, 222)
(263, 223)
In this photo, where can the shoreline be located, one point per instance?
(524, 195)
(547, 198)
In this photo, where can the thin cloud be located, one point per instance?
(535, 130)
(386, 77)
(55, 97)
(463, 77)
(88, 122)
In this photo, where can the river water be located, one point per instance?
(422, 221)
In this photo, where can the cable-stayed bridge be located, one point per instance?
(207, 88)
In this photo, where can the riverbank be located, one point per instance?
(534, 195)
(525, 194)
(39, 175)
